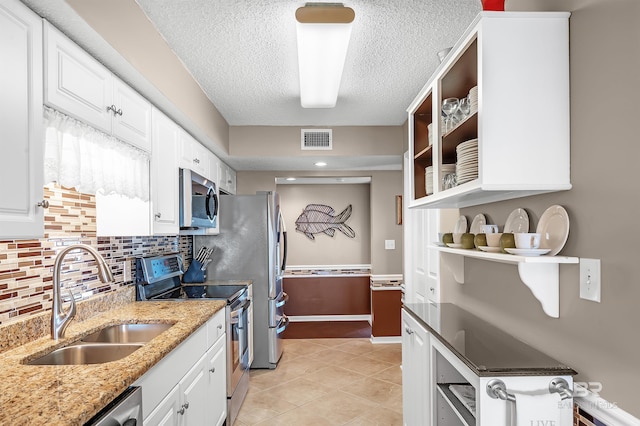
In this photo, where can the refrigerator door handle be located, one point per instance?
(284, 241)
(283, 324)
(283, 301)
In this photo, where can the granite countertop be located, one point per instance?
(484, 348)
(71, 395)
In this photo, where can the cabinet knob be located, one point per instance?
(212, 369)
(43, 203)
(114, 110)
(181, 411)
(158, 215)
(408, 330)
(432, 289)
(220, 326)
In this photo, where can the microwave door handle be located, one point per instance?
(215, 205)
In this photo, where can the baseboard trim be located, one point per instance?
(386, 339)
(327, 318)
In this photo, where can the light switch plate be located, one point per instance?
(390, 244)
(590, 279)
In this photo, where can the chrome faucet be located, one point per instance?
(59, 319)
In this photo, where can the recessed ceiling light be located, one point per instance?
(291, 178)
(320, 164)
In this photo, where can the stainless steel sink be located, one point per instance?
(127, 333)
(86, 354)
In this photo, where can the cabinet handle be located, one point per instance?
(186, 405)
(43, 203)
(220, 326)
(158, 215)
(408, 330)
(181, 411)
(119, 112)
(212, 369)
(432, 289)
(197, 161)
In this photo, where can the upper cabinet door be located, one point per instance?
(21, 146)
(132, 116)
(76, 83)
(164, 175)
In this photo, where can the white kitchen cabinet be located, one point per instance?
(80, 86)
(164, 176)
(22, 146)
(416, 400)
(194, 156)
(519, 62)
(188, 387)
(216, 370)
(227, 179)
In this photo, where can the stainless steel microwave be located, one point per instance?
(198, 204)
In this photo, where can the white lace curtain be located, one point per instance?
(81, 157)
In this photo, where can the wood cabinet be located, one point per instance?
(327, 296)
(416, 398)
(80, 86)
(188, 387)
(386, 304)
(519, 63)
(22, 146)
(164, 176)
(227, 179)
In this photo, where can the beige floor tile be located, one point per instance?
(332, 356)
(377, 391)
(392, 374)
(378, 416)
(262, 405)
(334, 376)
(297, 417)
(366, 365)
(327, 382)
(338, 408)
(300, 391)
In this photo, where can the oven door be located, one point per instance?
(237, 343)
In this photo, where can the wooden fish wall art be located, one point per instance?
(321, 219)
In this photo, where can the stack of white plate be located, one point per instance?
(430, 133)
(428, 179)
(473, 99)
(467, 165)
(428, 175)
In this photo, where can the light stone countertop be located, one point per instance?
(71, 395)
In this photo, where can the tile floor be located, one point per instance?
(327, 382)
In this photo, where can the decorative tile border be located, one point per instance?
(26, 266)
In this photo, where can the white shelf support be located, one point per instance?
(540, 273)
(543, 279)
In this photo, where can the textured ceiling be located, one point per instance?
(243, 54)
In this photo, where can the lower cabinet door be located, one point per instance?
(216, 358)
(166, 413)
(195, 404)
(416, 395)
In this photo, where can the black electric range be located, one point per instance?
(158, 278)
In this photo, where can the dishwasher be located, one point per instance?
(125, 410)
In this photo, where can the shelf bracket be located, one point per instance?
(543, 279)
(455, 264)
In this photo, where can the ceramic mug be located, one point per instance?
(507, 240)
(527, 240)
(489, 229)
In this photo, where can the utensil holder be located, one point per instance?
(194, 274)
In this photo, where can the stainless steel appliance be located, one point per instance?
(252, 245)
(198, 202)
(158, 278)
(125, 410)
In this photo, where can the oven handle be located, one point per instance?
(285, 299)
(282, 327)
(237, 311)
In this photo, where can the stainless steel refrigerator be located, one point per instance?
(252, 246)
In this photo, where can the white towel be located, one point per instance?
(537, 408)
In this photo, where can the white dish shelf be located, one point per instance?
(519, 61)
(540, 273)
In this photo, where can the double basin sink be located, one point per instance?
(108, 344)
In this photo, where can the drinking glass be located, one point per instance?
(449, 108)
(465, 107)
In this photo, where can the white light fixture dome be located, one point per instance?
(323, 32)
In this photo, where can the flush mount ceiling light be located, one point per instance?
(320, 164)
(323, 31)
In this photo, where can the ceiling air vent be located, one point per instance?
(316, 139)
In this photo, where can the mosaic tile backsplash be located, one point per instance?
(26, 265)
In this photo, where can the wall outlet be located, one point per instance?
(590, 279)
(390, 244)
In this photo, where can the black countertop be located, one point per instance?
(484, 348)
